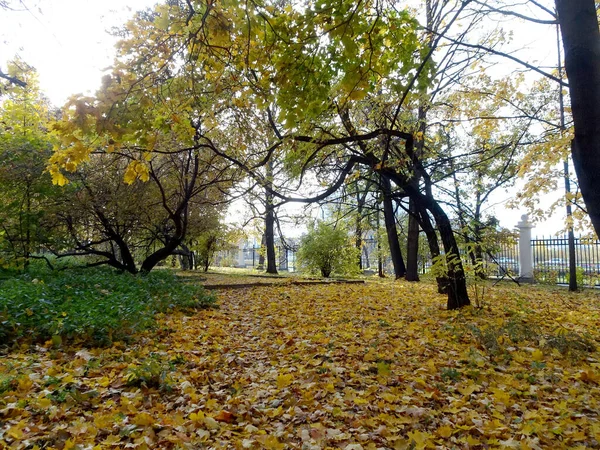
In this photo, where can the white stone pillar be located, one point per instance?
(241, 256)
(525, 250)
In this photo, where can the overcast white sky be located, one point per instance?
(67, 42)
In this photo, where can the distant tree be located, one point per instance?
(25, 146)
(134, 227)
(214, 239)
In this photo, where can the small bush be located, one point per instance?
(568, 343)
(96, 306)
(152, 372)
(327, 250)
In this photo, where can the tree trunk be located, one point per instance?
(270, 224)
(457, 283)
(358, 230)
(379, 255)
(261, 255)
(412, 245)
(162, 253)
(456, 287)
(390, 226)
(433, 243)
(185, 257)
(270, 238)
(581, 41)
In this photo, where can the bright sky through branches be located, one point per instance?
(67, 41)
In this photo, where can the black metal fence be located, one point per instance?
(285, 257)
(550, 259)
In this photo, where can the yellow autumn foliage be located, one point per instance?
(350, 366)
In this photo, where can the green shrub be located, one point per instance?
(152, 372)
(327, 250)
(92, 305)
(579, 276)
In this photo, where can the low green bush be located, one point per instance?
(327, 250)
(95, 306)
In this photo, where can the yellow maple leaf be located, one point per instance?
(420, 438)
(444, 431)
(58, 178)
(468, 390)
(130, 174)
(143, 419)
(284, 380)
(537, 355)
(16, 431)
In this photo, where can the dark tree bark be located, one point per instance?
(581, 41)
(457, 283)
(360, 202)
(380, 272)
(432, 241)
(270, 237)
(270, 223)
(412, 244)
(186, 257)
(456, 288)
(390, 227)
(261, 256)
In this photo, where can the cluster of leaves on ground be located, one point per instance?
(374, 366)
(92, 306)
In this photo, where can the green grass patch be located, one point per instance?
(93, 306)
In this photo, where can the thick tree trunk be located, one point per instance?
(358, 230)
(380, 272)
(186, 257)
(581, 40)
(162, 253)
(457, 283)
(412, 246)
(270, 224)
(261, 255)
(390, 227)
(456, 287)
(270, 239)
(433, 243)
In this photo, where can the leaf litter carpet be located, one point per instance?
(374, 366)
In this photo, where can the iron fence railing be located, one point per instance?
(550, 259)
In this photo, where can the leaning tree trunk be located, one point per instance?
(456, 281)
(581, 41)
(390, 227)
(186, 259)
(162, 253)
(433, 243)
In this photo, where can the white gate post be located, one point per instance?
(525, 250)
(241, 256)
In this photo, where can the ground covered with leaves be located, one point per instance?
(374, 366)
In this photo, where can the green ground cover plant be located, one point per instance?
(95, 306)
